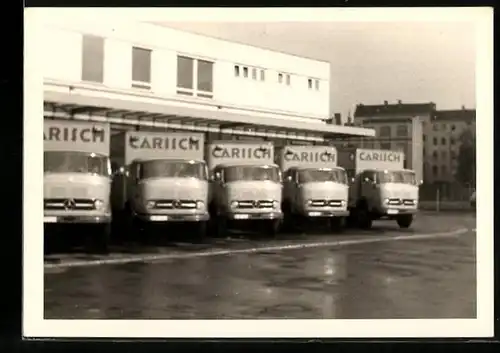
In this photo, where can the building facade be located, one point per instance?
(398, 126)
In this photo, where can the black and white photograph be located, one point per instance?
(258, 172)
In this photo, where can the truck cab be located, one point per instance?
(384, 194)
(315, 193)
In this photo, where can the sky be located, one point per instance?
(371, 61)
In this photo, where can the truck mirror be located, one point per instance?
(288, 178)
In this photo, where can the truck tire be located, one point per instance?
(272, 227)
(364, 220)
(337, 224)
(405, 221)
(201, 231)
(100, 240)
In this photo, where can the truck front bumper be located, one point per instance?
(325, 213)
(181, 217)
(83, 219)
(255, 215)
(392, 212)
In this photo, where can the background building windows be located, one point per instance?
(444, 155)
(385, 131)
(93, 59)
(288, 80)
(435, 127)
(443, 170)
(310, 83)
(443, 141)
(453, 127)
(236, 71)
(141, 68)
(280, 78)
(435, 170)
(254, 73)
(195, 77)
(453, 155)
(452, 141)
(435, 141)
(245, 72)
(435, 155)
(402, 131)
(262, 75)
(316, 85)
(385, 145)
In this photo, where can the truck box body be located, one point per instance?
(378, 159)
(166, 170)
(313, 185)
(77, 172)
(248, 183)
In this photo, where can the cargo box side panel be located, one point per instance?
(308, 157)
(239, 153)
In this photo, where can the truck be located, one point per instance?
(77, 179)
(314, 187)
(246, 186)
(163, 180)
(381, 188)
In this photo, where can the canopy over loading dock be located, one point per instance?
(145, 110)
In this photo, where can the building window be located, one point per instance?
(316, 85)
(435, 127)
(402, 131)
(288, 80)
(435, 155)
(236, 70)
(435, 141)
(452, 141)
(443, 141)
(262, 75)
(280, 78)
(435, 170)
(385, 145)
(254, 73)
(423, 138)
(385, 131)
(93, 59)
(245, 72)
(443, 170)
(141, 68)
(195, 77)
(444, 155)
(310, 83)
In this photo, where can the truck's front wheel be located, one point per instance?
(405, 221)
(364, 220)
(272, 227)
(337, 224)
(100, 241)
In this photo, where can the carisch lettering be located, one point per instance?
(164, 143)
(380, 156)
(241, 152)
(310, 157)
(74, 134)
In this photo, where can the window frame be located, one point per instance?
(142, 84)
(195, 91)
(91, 58)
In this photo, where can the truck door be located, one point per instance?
(369, 187)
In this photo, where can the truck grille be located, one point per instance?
(326, 203)
(255, 204)
(69, 204)
(174, 204)
(408, 202)
(395, 202)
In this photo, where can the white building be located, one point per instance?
(141, 74)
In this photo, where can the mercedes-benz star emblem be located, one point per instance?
(256, 204)
(176, 204)
(69, 204)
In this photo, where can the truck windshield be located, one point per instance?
(75, 162)
(262, 173)
(320, 175)
(172, 169)
(397, 176)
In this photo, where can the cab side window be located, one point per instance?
(369, 177)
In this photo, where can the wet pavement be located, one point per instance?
(423, 272)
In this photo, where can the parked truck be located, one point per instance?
(314, 187)
(381, 188)
(164, 180)
(77, 178)
(246, 185)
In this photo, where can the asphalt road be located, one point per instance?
(427, 271)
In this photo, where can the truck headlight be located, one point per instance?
(343, 203)
(234, 204)
(150, 204)
(309, 202)
(276, 204)
(386, 201)
(200, 204)
(99, 205)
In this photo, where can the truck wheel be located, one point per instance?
(405, 221)
(101, 240)
(364, 220)
(272, 227)
(337, 224)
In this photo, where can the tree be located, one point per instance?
(466, 169)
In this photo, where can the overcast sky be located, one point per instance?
(372, 62)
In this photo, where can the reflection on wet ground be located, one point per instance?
(427, 278)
